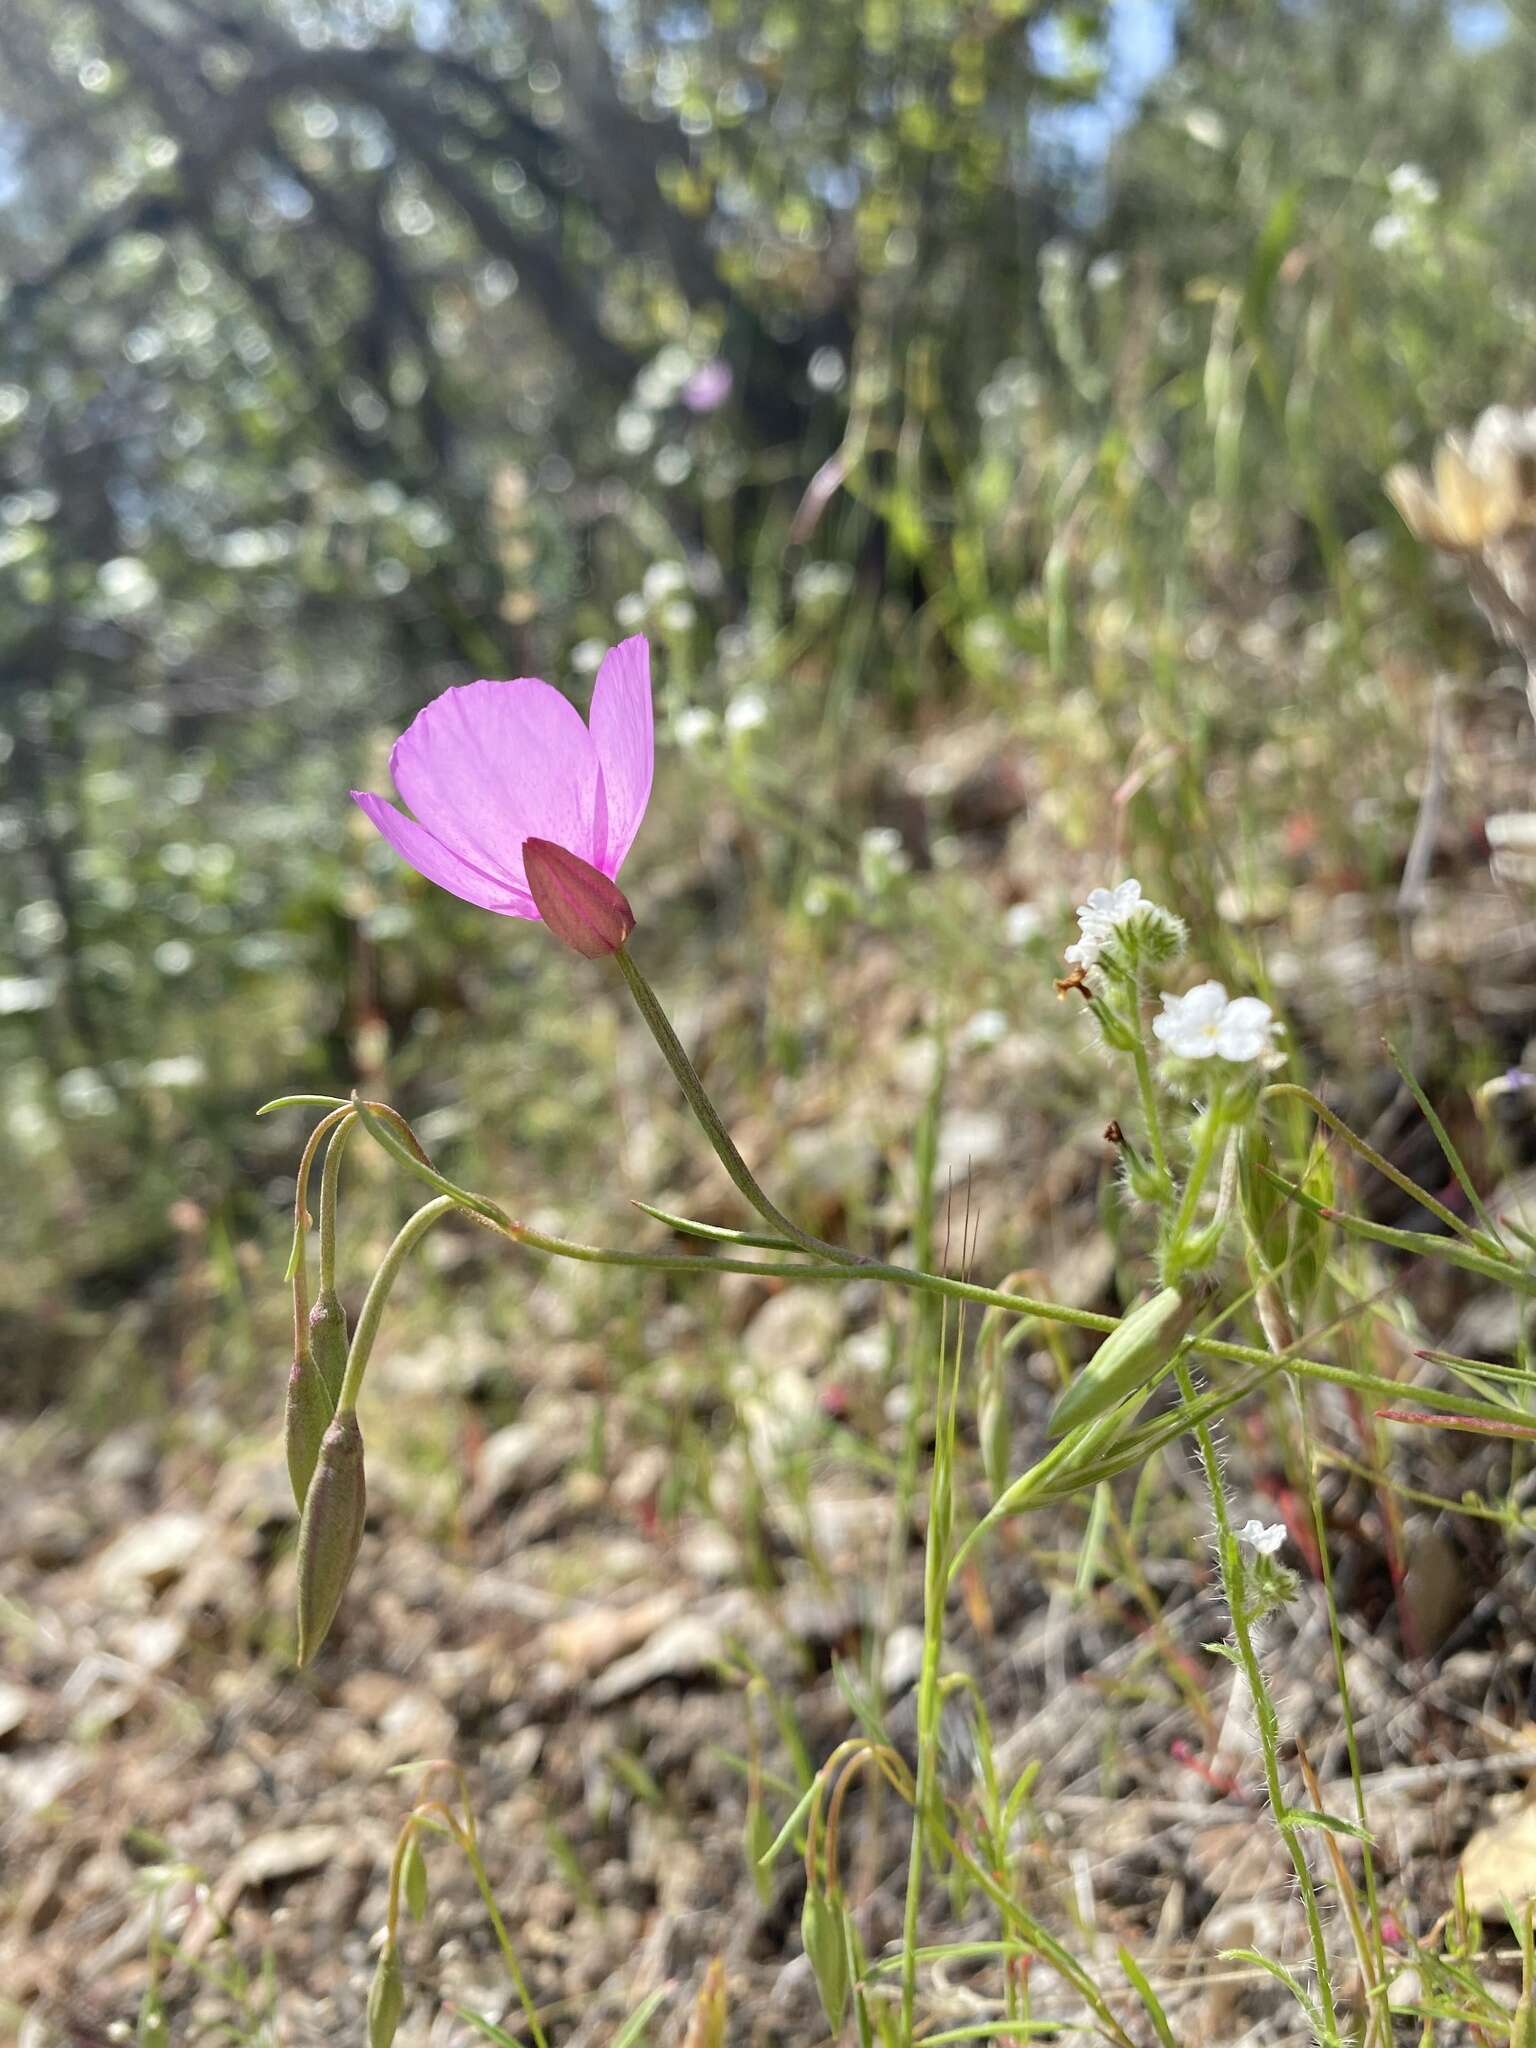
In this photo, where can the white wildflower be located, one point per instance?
(1098, 917)
(1263, 1539)
(1145, 931)
(1205, 1024)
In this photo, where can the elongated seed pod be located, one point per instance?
(1265, 1210)
(306, 1417)
(386, 1998)
(328, 1340)
(1130, 1357)
(826, 1948)
(330, 1530)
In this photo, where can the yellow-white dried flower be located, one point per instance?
(1481, 489)
(1480, 505)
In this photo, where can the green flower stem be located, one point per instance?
(497, 1219)
(1265, 1716)
(298, 1260)
(708, 1116)
(410, 1235)
(329, 1178)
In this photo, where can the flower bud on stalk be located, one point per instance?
(306, 1418)
(386, 1998)
(330, 1530)
(328, 1337)
(1130, 1357)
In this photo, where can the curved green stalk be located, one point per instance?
(687, 1077)
(942, 1284)
(409, 1236)
(330, 1175)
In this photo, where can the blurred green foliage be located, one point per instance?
(350, 350)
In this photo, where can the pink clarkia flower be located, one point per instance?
(488, 767)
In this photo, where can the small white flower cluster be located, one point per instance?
(1106, 914)
(1263, 1540)
(1098, 917)
(1208, 1024)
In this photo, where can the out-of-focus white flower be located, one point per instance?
(1097, 918)
(1413, 183)
(1021, 923)
(747, 710)
(693, 726)
(1263, 1538)
(1206, 1024)
(1390, 232)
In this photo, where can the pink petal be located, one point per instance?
(622, 735)
(429, 857)
(488, 765)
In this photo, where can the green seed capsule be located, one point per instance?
(826, 1948)
(1310, 1235)
(330, 1530)
(386, 1998)
(306, 1418)
(1522, 2032)
(1265, 1209)
(328, 1340)
(413, 1879)
(1130, 1357)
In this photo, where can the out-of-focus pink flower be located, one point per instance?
(710, 386)
(486, 767)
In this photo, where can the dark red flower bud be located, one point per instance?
(578, 902)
